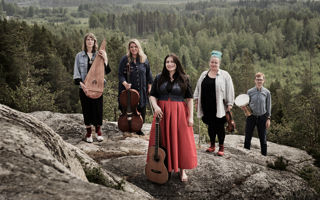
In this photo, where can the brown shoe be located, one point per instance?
(212, 148)
(221, 150)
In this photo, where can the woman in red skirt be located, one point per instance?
(168, 92)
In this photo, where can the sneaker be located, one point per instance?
(140, 133)
(89, 139)
(99, 137)
(212, 148)
(221, 150)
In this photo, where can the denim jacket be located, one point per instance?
(81, 66)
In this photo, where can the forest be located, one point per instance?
(278, 37)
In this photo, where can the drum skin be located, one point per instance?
(242, 101)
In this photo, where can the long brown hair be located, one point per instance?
(84, 45)
(179, 76)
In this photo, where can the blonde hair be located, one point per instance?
(84, 45)
(259, 74)
(141, 55)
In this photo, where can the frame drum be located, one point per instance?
(243, 102)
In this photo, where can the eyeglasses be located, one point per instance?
(260, 80)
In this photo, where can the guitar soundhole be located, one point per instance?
(156, 171)
(156, 158)
(94, 82)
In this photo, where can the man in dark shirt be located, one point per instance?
(260, 104)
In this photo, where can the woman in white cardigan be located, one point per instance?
(214, 86)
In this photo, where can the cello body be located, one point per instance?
(94, 80)
(130, 119)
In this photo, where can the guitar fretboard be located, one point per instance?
(157, 137)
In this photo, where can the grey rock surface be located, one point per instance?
(239, 174)
(36, 163)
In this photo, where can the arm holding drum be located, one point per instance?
(243, 102)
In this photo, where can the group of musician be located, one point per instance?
(172, 97)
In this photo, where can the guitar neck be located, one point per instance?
(156, 144)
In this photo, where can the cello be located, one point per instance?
(130, 119)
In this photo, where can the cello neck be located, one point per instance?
(129, 94)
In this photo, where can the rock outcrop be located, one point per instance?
(38, 161)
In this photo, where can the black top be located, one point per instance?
(208, 95)
(209, 102)
(154, 90)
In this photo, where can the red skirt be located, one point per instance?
(176, 136)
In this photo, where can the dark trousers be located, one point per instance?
(214, 130)
(260, 122)
(92, 109)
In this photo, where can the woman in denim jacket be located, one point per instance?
(168, 94)
(92, 108)
(214, 86)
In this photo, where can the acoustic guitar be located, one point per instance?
(156, 170)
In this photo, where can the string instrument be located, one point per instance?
(156, 170)
(130, 119)
(231, 124)
(94, 80)
(229, 117)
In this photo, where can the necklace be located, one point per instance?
(90, 59)
(171, 79)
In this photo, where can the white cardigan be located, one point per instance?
(224, 90)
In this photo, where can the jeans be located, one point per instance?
(260, 122)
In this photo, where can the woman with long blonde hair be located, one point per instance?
(140, 75)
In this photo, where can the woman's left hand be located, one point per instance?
(190, 121)
(229, 108)
(103, 54)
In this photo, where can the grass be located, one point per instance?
(95, 175)
(311, 175)
(279, 164)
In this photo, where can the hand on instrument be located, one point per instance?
(243, 108)
(158, 112)
(229, 107)
(127, 85)
(84, 87)
(190, 121)
(103, 54)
